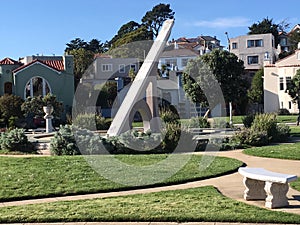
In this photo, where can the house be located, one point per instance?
(276, 78)
(253, 50)
(38, 75)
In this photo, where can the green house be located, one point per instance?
(39, 75)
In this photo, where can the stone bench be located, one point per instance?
(265, 185)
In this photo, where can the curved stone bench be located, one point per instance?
(263, 184)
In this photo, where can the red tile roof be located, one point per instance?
(9, 61)
(54, 64)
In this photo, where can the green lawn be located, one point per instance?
(197, 204)
(25, 178)
(282, 151)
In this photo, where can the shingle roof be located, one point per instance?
(9, 61)
(179, 52)
(54, 64)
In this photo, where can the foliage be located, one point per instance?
(256, 91)
(34, 105)
(248, 120)
(15, 140)
(91, 122)
(294, 39)
(220, 66)
(263, 130)
(93, 45)
(169, 114)
(124, 30)
(82, 59)
(106, 95)
(198, 122)
(265, 26)
(293, 88)
(10, 106)
(283, 111)
(155, 18)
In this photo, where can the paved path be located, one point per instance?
(229, 185)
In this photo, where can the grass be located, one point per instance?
(281, 151)
(33, 177)
(197, 204)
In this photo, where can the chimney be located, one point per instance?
(175, 45)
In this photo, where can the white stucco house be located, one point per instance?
(276, 77)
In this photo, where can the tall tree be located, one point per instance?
(155, 18)
(293, 89)
(82, 59)
(294, 39)
(264, 27)
(124, 30)
(256, 92)
(76, 43)
(225, 67)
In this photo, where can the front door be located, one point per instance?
(8, 88)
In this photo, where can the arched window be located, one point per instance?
(37, 86)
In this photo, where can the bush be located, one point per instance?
(283, 112)
(91, 122)
(10, 106)
(15, 140)
(247, 136)
(169, 115)
(198, 122)
(248, 120)
(71, 140)
(265, 123)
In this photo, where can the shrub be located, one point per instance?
(265, 123)
(247, 136)
(283, 132)
(283, 111)
(169, 114)
(10, 106)
(63, 142)
(71, 140)
(91, 122)
(198, 122)
(248, 120)
(15, 140)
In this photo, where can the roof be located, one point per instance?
(179, 52)
(57, 65)
(9, 61)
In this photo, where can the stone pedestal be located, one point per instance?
(254, 189)
(276, 195)
(48, 117)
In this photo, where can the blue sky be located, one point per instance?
(33, 27)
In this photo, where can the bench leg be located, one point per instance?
(254, 189)
(276, 195)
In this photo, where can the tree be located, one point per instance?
(219, 65)
(82, 59)
(155, 18)
(34, 105)
(93, 45)
(10, 106)
(293, 89)
(124, 30)
(256, 92)
(264, 27)
(76, 44)
(294, 39)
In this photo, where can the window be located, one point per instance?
(133, 67)
(281, 84)
(283, 41)
(234, 45)
(254, 43)
(37, 86)
(253, 59)
(288, 81)
(122, 68)
(298, 56)
(8, 88)
(290, 105)
(106, 67)
(171, 62)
